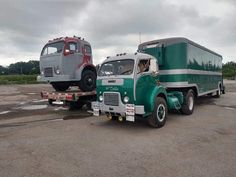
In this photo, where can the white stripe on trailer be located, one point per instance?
(188, 71)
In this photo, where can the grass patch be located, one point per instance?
(18, 79)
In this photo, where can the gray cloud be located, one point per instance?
(112, 26)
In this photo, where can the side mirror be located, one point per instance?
(153, 67)
(66, 52)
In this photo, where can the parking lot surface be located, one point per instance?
(41, 140)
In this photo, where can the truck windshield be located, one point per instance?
(117, 67)
(53, 48)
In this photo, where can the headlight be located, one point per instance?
(100, 98)
(58, 71)
(42, 72)
(126, 99)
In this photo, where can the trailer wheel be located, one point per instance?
(218, 92)
(188, 105)
(158, 117)
(88, 81)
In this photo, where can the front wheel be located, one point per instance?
(188, 105)
(158, 117)
(88, 81)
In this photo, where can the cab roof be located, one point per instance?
(174, 40)
(68, 39)
(124, 56)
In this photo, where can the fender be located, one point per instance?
(156, 91)
(80, 69)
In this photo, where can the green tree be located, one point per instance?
(30, 67)
(229, 69)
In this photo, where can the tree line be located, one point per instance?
(27, 68)
(32, 67)
(229, 70)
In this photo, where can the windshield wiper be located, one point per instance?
(126, 71)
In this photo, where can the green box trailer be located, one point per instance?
(184, 63)
(166, 74)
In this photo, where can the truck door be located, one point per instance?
(70, 61)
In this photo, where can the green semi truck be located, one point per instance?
(164, 75)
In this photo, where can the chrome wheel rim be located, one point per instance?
(190, 103)
(161, 113)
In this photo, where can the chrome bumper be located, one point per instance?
(123, 109)
(59, 78)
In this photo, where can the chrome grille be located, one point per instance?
(111, 99)
(48, 72)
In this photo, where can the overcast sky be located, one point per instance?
(113, 26)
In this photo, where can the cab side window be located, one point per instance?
(87, 49)
(73, 47)
(143, 66)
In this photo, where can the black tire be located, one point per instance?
(188, 104)
(60, 86)
(159, 115)
(223, 90)
(114, 118)
(88, 81)
(75, 105)
(50, 101)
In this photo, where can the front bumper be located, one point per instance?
(55, 78)
(124, 110)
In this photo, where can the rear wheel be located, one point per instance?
(218, 92)
(158, 117)
(88, 81)
(188, 105)
(60, 86)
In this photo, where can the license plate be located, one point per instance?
(130, 112)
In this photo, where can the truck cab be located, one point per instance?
(67, 61)
(128, 87)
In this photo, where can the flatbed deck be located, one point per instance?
(71, 98)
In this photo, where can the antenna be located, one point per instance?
(139, 37)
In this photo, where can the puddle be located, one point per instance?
(60, 108)
(229, 108)
(90, 111)
(21, 103)
(34, 107)
(4, 112)
(39, 101)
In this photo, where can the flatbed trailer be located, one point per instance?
(74, 99)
